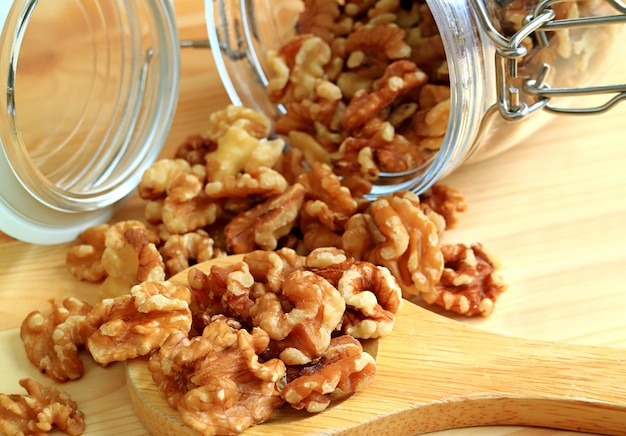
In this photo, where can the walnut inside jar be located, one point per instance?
(357, 84)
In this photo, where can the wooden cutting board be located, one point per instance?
(433, 373)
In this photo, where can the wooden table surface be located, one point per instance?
(552, 210)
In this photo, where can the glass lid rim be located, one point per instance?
(155, 119)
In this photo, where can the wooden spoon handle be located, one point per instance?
(464, 377)
(435, 374)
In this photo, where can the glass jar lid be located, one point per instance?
(91, 93)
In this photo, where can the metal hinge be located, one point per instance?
(510, 52)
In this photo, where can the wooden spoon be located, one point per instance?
(434, 373)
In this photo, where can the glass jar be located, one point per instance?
(88, 158)
(510, 64)
(70, 157)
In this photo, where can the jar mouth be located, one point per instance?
(468, 59)
(239, 47)
(469, 56)
(91, 92)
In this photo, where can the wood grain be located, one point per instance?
(552, 210)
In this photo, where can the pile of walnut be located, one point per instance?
(322, 268)
(366, 88)
(238, 342)
(365, 85)
(233, 191)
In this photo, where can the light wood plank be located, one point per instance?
(552, 210)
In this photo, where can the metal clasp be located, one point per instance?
(510, 52)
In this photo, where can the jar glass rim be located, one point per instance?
(61, 185)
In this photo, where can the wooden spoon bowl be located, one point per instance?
(434, 373)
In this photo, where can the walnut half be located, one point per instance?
(344, 366)
(52, 339)
(469, 284)
(216, 381)
(137, 324)
(41, 410)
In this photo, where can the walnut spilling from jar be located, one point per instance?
(344, 366)
(469, 284)
(42, 410)
(262, 226)
(123, 255)
(327, 207)
(174, 190)
(137, 324)
(323, 265)
(395, 233)
(215, 177)
(216, 381)
(52, 340)
(263, 199)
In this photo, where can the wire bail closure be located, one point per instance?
(510, 52)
